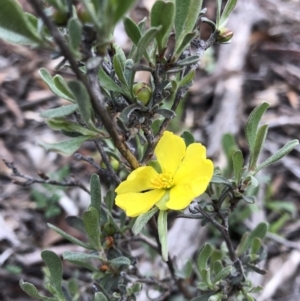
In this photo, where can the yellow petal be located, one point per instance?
(194, 166)
(138, 180)
(170, 151)
(180, 197)
(138, 203)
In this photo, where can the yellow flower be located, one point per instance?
(185, 174)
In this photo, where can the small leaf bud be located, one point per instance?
(83, 14)
(143, 92)
(225, 35)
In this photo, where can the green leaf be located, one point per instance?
(218, 13)
(222, 274)
(206, 277)
(107, 83)
(54, 265)
(216, 179)
(278, 155)
(119, 62)
(167, 113)
(67, 147)
(187, 13)
(252, 125)
(70, 238)
(119, 261)
(255, 247)
(121, 8)
(217, 267)
(184, 43)
(81, 259)
(78, 256)
(14, 25)
(259, 231)
(132, 30)
(187, 79)
(144, 43)
(47, 78)
(69, 126)
(110, 199)
(31, 290)
(125, 115)
(279, 206)
(238, 164)
(100, 297)
(75, 32)
(203, 256)
(142, 220)
(258, 146)
(190, 60)
(75, 222)
(84, 102)
(62, 86)
(226, 12)
(162, 225)
(92, 227)
(59, 112)
(95, 188)
(162, 14)
(250, 199)
(188, 138)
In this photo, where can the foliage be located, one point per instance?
(81, 35)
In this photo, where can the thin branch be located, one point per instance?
(43, 180)
(224, 232)
(106, 161)
(93, 89)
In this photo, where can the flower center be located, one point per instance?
(163, 181)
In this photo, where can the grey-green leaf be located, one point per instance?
(31, 290)
(119, 261)
(62, 86)
(188, 138)
(75, 32)
(238, 164)
(92, 226)
(162, 14)
(259, 231)
(54, 265)
(81, 259)
(184, 43)
(252, 125)
(121, 8)
(59, 112)
(14, 26)
(132, 30)
(222, 274)
(226, 12)
(69, 237)
(163, 233)
(144, 42)
(100, 297)
(95, 188)
(258, 146)
(84, 102)
(70, 126)
(203, 256)
(107, 83)
(67, 147)
(278, 155)
(142, 220)
(52, 84)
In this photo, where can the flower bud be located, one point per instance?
(143, 92)
(59, 18)
(83, 14)
(225, 35)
